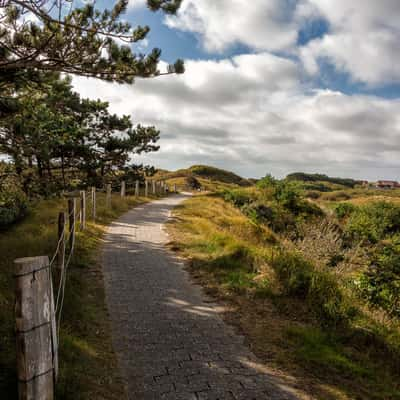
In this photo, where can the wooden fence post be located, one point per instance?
(154, 187)
(137, 189)
(61, 238)
(72, 222)
(83, 210)
(108, 196)
(35, 329)
(93, 202)
(123, 189)
(175, 188)
(146, 189)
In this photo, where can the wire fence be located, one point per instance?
(79, 203)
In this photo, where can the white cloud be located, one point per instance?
(136, 3)
(364, 39)
(259, 24)
(250, 114)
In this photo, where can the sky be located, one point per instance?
(271, 86)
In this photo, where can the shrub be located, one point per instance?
(301, 279)
(308, 209)
(344, 210)
(13, 202)
(238, 197)
(267, 182)
(321, 242)
(373, 222)
(276, 217)
(294, 272)
(287, 194)
(380, 285)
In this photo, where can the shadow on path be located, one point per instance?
(170, 340)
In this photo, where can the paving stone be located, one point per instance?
(170, 340)
(215, 395)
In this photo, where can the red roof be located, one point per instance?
(388, 183)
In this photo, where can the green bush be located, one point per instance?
(276, 217)
(374, 222)
(13, 202)
(287, 194)
(308, 209)
(267, 182)
(380, 285)
(301, 279)
(344, 210)
(237, 197)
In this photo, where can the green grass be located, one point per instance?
(211, 178)
(326, 354)
(87, 363)
(283, 302)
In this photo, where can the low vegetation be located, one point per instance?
(211, 178)
(13, 200)
(314, 288)
(301, 176)
(88, 367)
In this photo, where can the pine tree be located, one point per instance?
(49, 35)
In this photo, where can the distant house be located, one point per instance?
(387, 184)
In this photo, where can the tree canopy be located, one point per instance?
(55, 35)
(56, 134)
(46, 129)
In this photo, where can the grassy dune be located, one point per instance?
(247, 267)
(87, 363)
(211, 178)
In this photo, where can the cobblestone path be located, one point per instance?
(170, 340)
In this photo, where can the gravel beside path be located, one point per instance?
(169, 338)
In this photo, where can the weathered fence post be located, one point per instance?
(72, 222)
(61, 240)
(93, 202)
(108, 196)
(35, 329)
(137, 189)
(175, 191)
(83, 210)
(123, 189)
(146, 189)
(154, 187)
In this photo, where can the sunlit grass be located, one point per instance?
(242, 263)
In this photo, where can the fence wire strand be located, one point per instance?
(76, 213)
